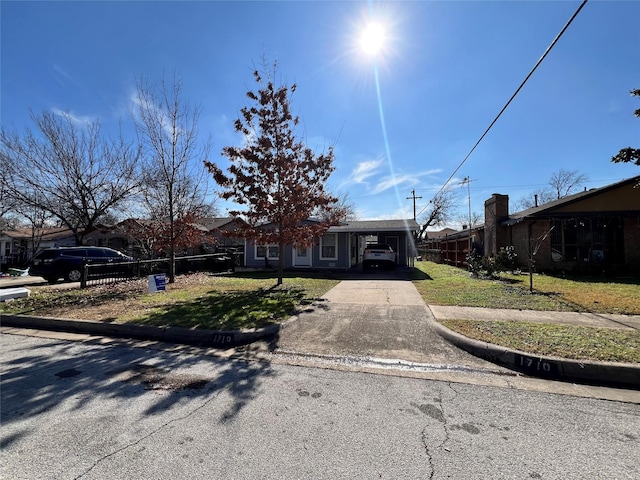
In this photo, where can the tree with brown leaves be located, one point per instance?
(274, 177)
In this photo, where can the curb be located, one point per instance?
(610, 374)
(188, 336)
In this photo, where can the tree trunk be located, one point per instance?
(280, 263)
(172, 265)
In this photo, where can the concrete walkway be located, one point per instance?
(381, 318)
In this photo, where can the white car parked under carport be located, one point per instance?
(378, 255)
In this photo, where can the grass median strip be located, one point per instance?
(564, 341)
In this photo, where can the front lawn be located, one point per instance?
(218, 302)
(446, 285)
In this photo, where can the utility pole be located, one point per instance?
(413, 196)
(468, 181)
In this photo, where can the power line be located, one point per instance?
(555, 40)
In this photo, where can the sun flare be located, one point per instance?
(372, 38)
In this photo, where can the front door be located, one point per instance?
(302, 257)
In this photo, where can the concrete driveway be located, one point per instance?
(376, 315)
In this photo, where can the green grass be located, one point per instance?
(446, 285)
(564, 341)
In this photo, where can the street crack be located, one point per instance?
(148, 435)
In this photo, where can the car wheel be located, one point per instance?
(74, 275)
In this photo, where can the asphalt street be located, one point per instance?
(88, 410)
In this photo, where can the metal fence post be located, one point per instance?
(85, 276)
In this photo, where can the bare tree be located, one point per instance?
(8, 203)
(537, 197)
(463, 219)
(533, 247)
(68, 170)
(439, 210)
(565, 182)
(343, 210)
(561, 184)
(175, 179)
(37, 220)
(275, 175)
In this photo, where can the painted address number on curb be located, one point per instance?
(221, 339)
(536, 365)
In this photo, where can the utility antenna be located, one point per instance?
(413, 196)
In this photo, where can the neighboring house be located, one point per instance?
(341, 247)
(433, 234)
(134, 236)
(118, 236)
(224, 230)
(17, 246)
(452, 246)
(594, 231)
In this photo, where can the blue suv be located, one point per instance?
(68, 262)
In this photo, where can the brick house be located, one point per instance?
(596, 231)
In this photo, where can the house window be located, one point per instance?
(329, 246)
(268, 251)
(583, 240)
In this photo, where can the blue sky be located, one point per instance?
(445, 71)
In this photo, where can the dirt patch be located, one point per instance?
(155, 378)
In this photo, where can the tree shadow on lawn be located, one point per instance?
(417, 274)
(231, 310)
(626, 280)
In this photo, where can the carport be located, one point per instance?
(399, 234)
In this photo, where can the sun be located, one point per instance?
(372, 39)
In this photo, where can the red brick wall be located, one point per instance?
(518, 237)
(496, 209)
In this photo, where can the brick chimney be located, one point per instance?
(496, 209)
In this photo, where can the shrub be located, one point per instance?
(506, 259)
(491, 266)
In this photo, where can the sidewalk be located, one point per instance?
(10, 282)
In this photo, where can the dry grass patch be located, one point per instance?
(198, 301)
